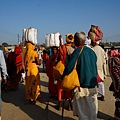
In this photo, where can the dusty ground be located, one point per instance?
(14, 108)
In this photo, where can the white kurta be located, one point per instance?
(85, 104)
(101, 68)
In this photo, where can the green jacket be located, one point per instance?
(86, 67)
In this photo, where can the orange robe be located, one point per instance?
(62, 94)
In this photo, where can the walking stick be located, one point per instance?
(63, 104)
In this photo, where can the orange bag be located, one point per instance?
(58, 70)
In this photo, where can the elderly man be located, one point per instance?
(85, 97)
(3, 74)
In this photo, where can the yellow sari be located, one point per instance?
(32, 83)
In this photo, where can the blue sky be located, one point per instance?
(64, 16)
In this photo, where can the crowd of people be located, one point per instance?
(91, 69)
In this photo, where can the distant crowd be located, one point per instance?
(82, 52)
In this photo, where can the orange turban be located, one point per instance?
(69, 38)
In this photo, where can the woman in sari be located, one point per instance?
(14, 67)
(114, 69)
(32, 82)
(65, 52)
(52, 86)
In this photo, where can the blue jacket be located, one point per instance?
(86, 67)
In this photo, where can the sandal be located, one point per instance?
(27, 101)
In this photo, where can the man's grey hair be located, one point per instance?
(80, 35)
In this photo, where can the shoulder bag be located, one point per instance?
(71, 80)
(58, 70)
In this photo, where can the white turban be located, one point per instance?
(87, 41)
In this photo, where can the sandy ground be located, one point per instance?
(14, 107)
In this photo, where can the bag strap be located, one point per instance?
(78, 56)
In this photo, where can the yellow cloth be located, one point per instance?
(32, 88)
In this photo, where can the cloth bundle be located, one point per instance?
(30, 35)
(52, 39)
(95, 34)
(67, 38)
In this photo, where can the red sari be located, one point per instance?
(49, 71)
(14, 67)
